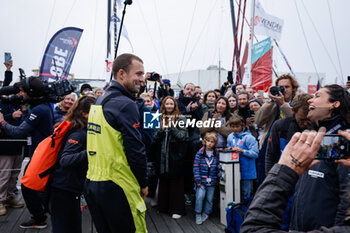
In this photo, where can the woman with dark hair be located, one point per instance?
(67, 181)
(221, 113)
(320, 195)
(209, 99)
(171, 139)
(233, 101)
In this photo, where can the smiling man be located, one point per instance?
(116, 178)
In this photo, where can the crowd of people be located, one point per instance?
(114, 160)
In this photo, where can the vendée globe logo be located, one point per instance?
(152, 120)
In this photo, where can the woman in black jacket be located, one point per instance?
(172, 139)
(68, 179)
(266, 210)
(320, 195)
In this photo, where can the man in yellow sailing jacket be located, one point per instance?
(116, 178)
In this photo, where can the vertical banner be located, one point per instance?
(262, 65)
(59, 54)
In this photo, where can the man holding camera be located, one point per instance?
(280, 106)
(11, 154)
(37, 125)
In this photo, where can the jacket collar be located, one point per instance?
(117, 86)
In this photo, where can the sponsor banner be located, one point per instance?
(259, 49)
(59, 53)
(265, 24)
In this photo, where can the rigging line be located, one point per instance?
(69, 12)
(161, 38)
(199, 36)
(335, 41)
(47, 30)
(150, 35)
(256, 39)
(240, 43)
(93, 40)
(247, 22)
(307, 43)
(188, 37)
(221, 34)
(319, 36)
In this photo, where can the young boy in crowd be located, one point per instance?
(205, 170)
(246, 145)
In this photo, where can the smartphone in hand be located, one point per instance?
(7, 57)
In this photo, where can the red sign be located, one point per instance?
(311, 89)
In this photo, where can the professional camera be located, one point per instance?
(55, 91)
(275, 90)
(12, 99)
(154, 77)
(52, 92)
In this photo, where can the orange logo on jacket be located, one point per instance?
(136, 125)
(73, 141)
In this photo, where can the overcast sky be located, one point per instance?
(173, 36)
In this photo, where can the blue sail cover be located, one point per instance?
(59, 54)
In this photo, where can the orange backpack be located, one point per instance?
(44, 159)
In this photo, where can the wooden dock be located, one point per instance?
(156, 222)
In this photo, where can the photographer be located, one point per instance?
(37, 125)
(280, 106)
(266, 210)
(11, 153)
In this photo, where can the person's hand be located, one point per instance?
(216, 115)
(250, 121)
(144, 192)
(300, 152)
(8, 65)
(199, 185)
(1, 117)
(17, 114)
(345, 134)
(189, 107)
(238, 149)
(347, 85)
(147, 75)
(279, 99)
(194, 106)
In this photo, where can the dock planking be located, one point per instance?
(156, 222)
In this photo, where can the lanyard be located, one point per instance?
(208, 161)
(234, 142)
(335, 128)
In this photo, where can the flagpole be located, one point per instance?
(108, 26)
(250, 51)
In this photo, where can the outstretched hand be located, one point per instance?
(300, 152)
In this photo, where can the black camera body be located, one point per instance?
(55, 91)
(154, 77)
(275, 90)
(13, 99)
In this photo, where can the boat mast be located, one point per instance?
(250, 50)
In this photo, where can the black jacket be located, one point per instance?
(72, 163)
(122, 114)
(38, 125)
(266, 210)
(281, 133)
(320, 195)
(10, 148)
(58, 114)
